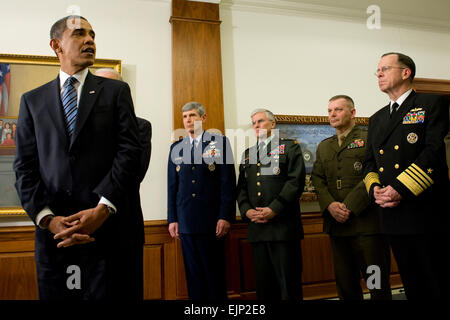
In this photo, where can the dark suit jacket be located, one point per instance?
(337, 176)
(145, 137)
(279, 190)
(101, 159)
(407, 152)
(200, 194)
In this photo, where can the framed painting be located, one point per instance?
(309, 131)
(19, 74)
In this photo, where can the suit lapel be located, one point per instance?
(398, 116)
(55, 109)
(206, 138)
(89, 94)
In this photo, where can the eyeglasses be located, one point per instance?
(386, 68)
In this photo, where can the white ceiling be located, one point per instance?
(432, 9)
(423, 14)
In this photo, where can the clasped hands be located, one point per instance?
(386, 197)
(77, 228)
(339, 211)
(222, 228)
(260, 215)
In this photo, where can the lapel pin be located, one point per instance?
(91, 92)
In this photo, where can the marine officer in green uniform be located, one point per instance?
(271, 180)
(349, 218)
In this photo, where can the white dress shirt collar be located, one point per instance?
(80, 76)
(402, 98)
(266, 141)
(197, 139)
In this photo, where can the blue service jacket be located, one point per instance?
(201, 192)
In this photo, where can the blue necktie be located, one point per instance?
(69, 101)
(193, 152)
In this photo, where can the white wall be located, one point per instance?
(292, 63)
(135, 31)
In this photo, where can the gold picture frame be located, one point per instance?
(26, 73)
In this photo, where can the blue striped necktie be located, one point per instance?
(69, 101)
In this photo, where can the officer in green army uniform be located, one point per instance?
(350, 220)
(271, 180)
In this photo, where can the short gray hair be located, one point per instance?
(268, 113)
(109, 70)
(194, 105)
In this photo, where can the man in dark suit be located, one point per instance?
(348, 216)
(77, 159)
(145, 127)
(406, 174)
(201, 199)
(271, 180)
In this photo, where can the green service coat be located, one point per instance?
(337, 175)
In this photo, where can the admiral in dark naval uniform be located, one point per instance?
(405, 172)
(271, 180)
(348, 216)
(201, 204)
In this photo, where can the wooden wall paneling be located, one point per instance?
(237, 233)
(437, 86)
(169, 274)
(180, 274)
(18, 276)
(203, 11)
(164, 277)
(196, 61)
(153, 272)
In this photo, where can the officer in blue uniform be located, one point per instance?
(201, 184)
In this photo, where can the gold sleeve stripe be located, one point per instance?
(370, 179)
(423, 174)
(410, 183)
(410, 171)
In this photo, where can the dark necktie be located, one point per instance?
(394, 108)
(260, 150)
(69, 101)
(192, 151)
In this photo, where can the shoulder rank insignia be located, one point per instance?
(357, 143)
(416, 115)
